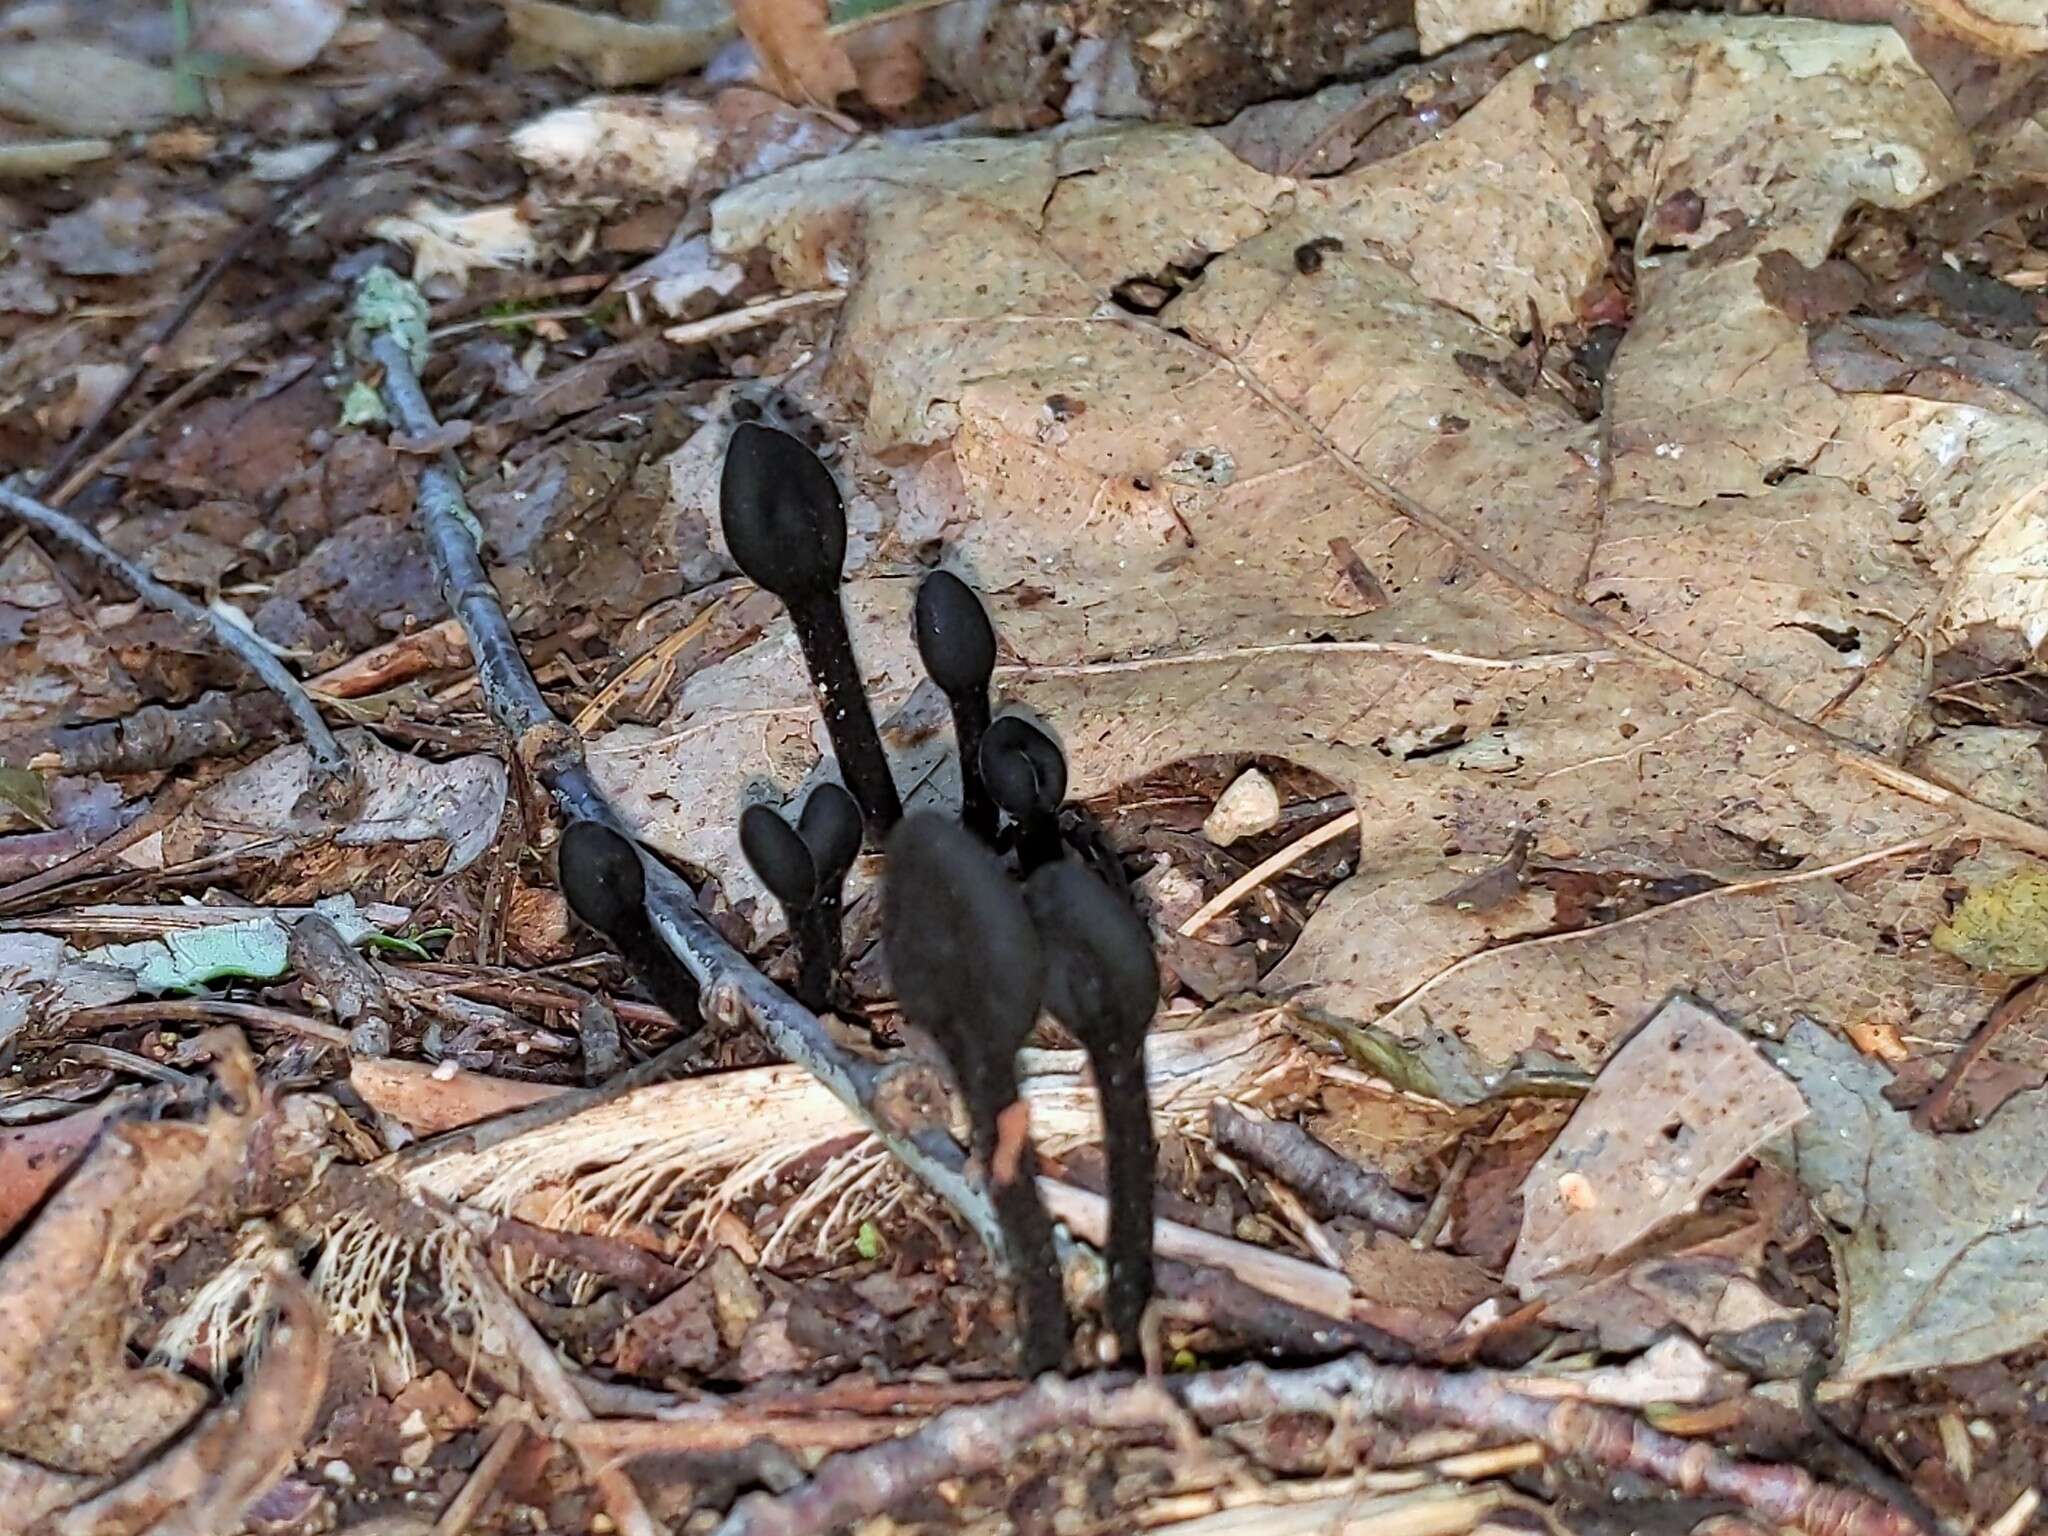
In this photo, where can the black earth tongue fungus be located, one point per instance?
(606, 888)
(1026, 774)
(958, 645)
(786, 528)
(830, 827)
(963, 956)
(1102, 982)
(782, 861)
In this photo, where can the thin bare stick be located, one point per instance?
(730, 1429)
(2018, 1516)
(749, 316)
(463, 1510)
(1265, 870)
(1325, 1177)
(549, 1381)
(731, 985)
(2011, 1008)
(204, 1010)
(965, 1441)
(1276, 1274)
(329, 760)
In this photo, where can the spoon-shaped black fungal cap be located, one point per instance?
(786, 528)
(784, 521)
(778, 854)
(964, 958)
(830, 828)
(958, 646)
(1102, 982)
(1026, 775)
(606, 887)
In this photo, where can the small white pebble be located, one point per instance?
(1250, 806)
(339, 1473)
(444, 1071)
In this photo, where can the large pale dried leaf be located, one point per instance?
(1151, 505)
(1942, 1240)
(1685, 1100)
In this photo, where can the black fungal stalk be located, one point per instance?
(958, 646)
(964, 957)
(804, 868)
(779, 858)
(1102, 982)
(786, 528)
(830, 827)
(1026, 775)
(606, 888)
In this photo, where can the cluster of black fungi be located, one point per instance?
(1017, 906)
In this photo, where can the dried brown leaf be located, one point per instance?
(803, 61)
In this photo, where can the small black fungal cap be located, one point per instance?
(831, 829)
(954, 636)
(1101, 972)
(601, 876)
(777, 855)
(784, 521)
(963, 954)
(1024, 768)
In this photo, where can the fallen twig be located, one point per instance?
(1933, 1110)
(1320, 1174)
(467, 1507)
(965, 1441)
(748, 316)
(329, 760)
(549, 1382)
(1265, 870)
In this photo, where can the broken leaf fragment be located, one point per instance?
(1684, 1101)
(1941, 1241)
(452, 242)
(2002, 927)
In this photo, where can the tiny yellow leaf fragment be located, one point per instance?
(2002, 927)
